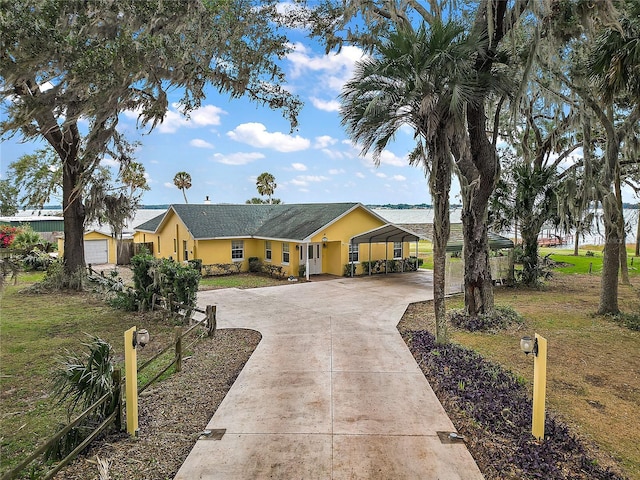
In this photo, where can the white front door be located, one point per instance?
(314, 250)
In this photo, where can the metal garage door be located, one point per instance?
(96, 252)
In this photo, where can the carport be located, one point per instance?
(385, 234)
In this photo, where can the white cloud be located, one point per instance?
(313, 178)
(199, 143)
(360, 175)
(333, 154)
(240, 158)
(305, 180)
(256, 135)
(174, 119)
(389, 158)
(325, 105)
(324, 141)
(169, 185)
(380, 175)
(335, 171)
(108, 162)
(337, 67)
(300, 167)
(399, 178)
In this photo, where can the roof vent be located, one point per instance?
(207, 201)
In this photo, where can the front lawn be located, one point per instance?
(35, 331)
(594, 363)
(240, 280)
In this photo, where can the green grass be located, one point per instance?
(35, 331)
(584, 263)
(241, 280)
(593, 360)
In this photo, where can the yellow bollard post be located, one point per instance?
(539, 388)
(131, 382)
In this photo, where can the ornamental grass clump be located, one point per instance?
(497, 404)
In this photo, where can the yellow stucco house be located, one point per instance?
(322, 238)
(100, 246)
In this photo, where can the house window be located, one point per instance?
(285, 253)
(185, 250)
(158, 244)
(175, 245)
(353, 252)
(237, 249)
(397, 249)
(267, 250)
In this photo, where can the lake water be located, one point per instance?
(425, 215)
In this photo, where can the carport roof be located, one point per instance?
(386, 233)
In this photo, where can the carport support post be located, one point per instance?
(306, 249)
(370, 262)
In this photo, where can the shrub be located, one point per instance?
(163, 277)
(55, 278)
(502, 318)
(36, 259)
(27, 239)
(81, 380)
(196, 264)
(142, 279)
(348, 269)
(7, 235)
(124, 300)
(628, 320)
(497, 402)
(302, 270)
(254, 265)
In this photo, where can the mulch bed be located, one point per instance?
(172, 414)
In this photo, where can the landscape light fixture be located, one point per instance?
(529, 345)
(324, 241)
(140, 337)
(537, 346)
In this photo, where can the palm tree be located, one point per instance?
(420, 78)
(182, 180)
(613, 68)
(266, 185)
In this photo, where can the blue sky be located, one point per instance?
(226, 144)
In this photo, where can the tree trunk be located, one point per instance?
(440, 185)
(74, 214)
(624, 268)
(530, 267)
(478, 286)
(611, 259)
(638, 234)
(576, 242)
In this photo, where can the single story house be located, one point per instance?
(100, 245)
(295, 238)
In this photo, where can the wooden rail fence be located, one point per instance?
(172, 308)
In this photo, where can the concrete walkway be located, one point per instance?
(331, 392)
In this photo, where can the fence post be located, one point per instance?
(177, 335)
(117, 393)
(211, 320)
(170, 304)
(131, 377)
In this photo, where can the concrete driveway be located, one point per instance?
(331, 392)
